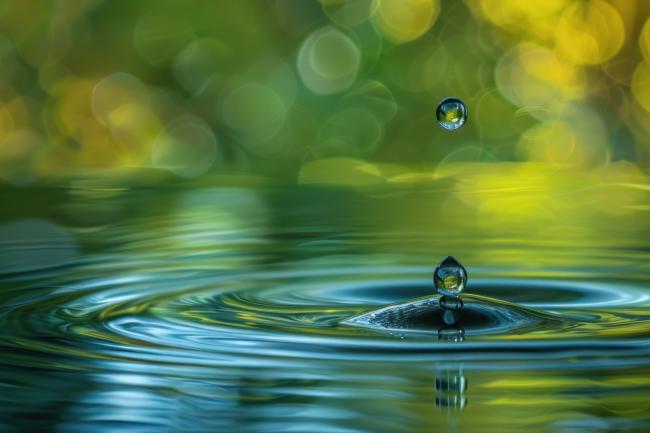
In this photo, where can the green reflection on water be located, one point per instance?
(220, 307)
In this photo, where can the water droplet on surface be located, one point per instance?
(451, 303)
(451, 113)
(450, 278)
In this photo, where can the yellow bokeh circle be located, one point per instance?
(531, 75)
(641, 85)
(589, 32)
(644, 40)
(406, 20)
(349, 13)
(536, 19)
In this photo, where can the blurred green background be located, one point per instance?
(334, 91)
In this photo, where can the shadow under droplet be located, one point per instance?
(480, 316)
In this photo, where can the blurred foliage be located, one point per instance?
(316, 90)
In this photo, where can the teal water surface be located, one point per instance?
(259, 309)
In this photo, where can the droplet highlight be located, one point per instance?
(451, 113)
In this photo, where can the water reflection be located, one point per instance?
(451, 383)
(29, 245)
(451, 387)
(272, 310)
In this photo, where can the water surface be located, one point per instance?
(176, 308)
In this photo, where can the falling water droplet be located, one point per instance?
(450, 278)
(451, 113)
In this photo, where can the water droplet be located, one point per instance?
(450, 278)
(451, 303)
(451, 113)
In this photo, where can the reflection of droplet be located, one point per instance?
(451, 113)
(450, 278)
(450, 316)
(451, 334)
(453, 401)
(451, 386)
(451, 383)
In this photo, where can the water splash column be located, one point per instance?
(450, 279)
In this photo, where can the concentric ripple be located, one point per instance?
(481, 316)
(242, 310)
(212, 318)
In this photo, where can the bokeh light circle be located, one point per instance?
(641, 85)
(158, 37)
(374, 96)
(349, 13)
(186, 147)
(589, 32)
(256, 113)
(199, 62)
(575, 137)
(418, 66)
(644, 40)
(529, 75)
(116, 93)
(328, 61)
(537, 21)
(406, 20)
(352, 131)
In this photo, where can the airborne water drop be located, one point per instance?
(451, 113)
